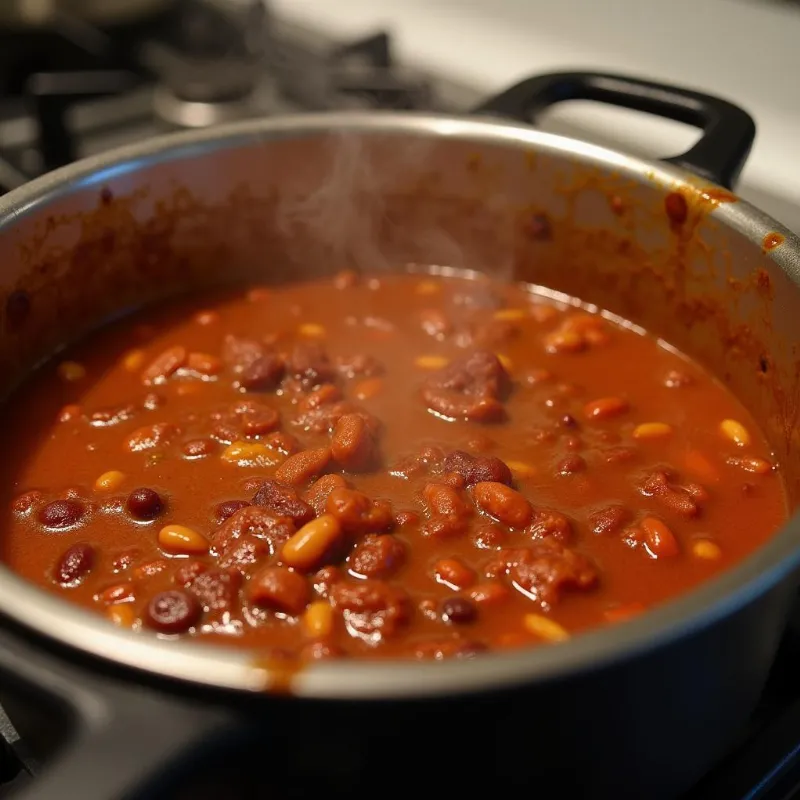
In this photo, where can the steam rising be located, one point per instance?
(348, 213)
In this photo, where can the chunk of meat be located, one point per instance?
(217, 590)
(475, 469)
(377, 556)
(283, 501)
(424, 462)
(256, 521)
(309, 364)
(257, 366)
(471, 388)
(357, 513)
(546, 569)
(549, 523)
(244, 552)
(372, 609)
(280, 589)
(319, 491)
(669, 494)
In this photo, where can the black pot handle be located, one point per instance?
(719, 155)
(127, 740)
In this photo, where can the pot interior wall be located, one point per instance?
(313, 203)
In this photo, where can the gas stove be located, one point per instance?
(73, 90)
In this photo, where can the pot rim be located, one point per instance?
(220, 666)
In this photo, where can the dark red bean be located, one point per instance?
(198, 448)
(74, 565)
(571, 465)
(227, 509)
(61, 514)
(459, 611)
(144, 504)
(174, 611)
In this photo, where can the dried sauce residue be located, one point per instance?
(771, 241)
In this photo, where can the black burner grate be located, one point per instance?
(199, 64)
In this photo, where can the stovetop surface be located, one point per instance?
(73, 91)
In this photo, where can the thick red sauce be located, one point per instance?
(403, 466)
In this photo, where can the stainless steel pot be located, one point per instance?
(640, 710)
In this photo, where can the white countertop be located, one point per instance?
(747, 51)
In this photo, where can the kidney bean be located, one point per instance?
(106, 417)
(571, 465)
(357, 513)
(323, 395)
(353, 445)
(376, 556)
(659, 539)
(152, 436)
(198, 448)
(165, 365)
(605, 408)
(477, 469)
(282, 442)
(453, 573)
(303, 466)
(283, 501)
(610, 519)
(459, 611)
(173, 611)
(144, 504)
(280, 589)
(503, 503)
(444, 500)
(62, 514)
(75, 564)
(204, 364)
(144, 571)
(117, 593)
(489, 593)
